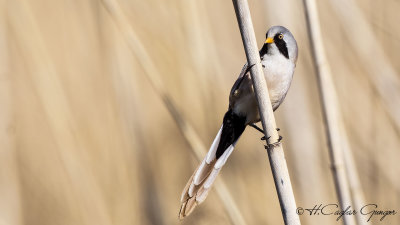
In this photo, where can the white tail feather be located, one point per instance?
(202, 196)
(213, 149)
(210, 180)
(222, 160)
(199, 184)
(201, 173)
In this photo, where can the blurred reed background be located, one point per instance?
(86, 139)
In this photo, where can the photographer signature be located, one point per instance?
(369, 210)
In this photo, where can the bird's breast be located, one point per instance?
(278, 72)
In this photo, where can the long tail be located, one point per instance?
(196, 190)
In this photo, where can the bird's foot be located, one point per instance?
(280, 137)
(278, 142)
(262, 131)
(263, 138)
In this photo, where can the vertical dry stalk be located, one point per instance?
(185, 128)
(330, 108)
(383, 75)
(357, 193)
(48, 86)
(10, 202)
(275, 151)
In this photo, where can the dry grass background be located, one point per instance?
(85, 139)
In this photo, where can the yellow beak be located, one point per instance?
(269, 40)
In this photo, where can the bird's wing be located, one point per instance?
(237, 83)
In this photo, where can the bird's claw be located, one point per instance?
(280, 137)
(269, 146)
(263, 138)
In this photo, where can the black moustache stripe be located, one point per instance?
(264, 49)
(281, 44)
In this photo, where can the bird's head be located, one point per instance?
(279, 40)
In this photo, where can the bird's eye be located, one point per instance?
(280, 36)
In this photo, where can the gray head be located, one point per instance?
(279, 40)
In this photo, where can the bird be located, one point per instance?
(278, 58)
